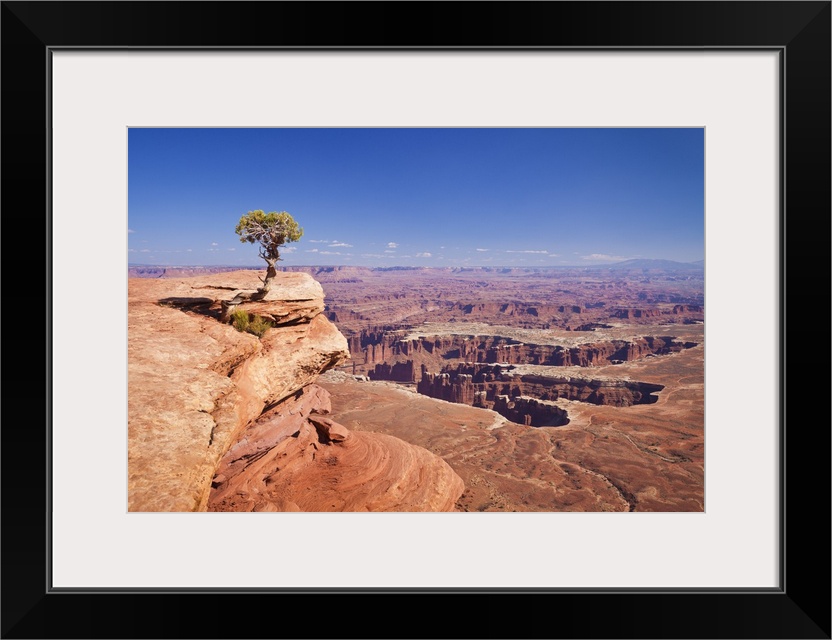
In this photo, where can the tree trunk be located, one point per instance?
(270, 275)
(228, 306)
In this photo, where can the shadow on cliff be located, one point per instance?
(211, 308)
(204, 306)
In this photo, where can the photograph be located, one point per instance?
(416, 319)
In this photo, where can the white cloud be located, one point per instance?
(525, 251)
(388, 251)
(603, 257)
(326, 241)
(215, 244)
(311, 251)
(145, 250)
(478, 249)
(423, 255)
(392, 245)
(131, 250)
(340, 244)
(231, 249)
(130, 231)
(333, 253)
(289, 250)
(188, 249)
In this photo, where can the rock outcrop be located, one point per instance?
(530, 411)
(295, 458)
(196, 385)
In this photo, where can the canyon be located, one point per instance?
(419, 389)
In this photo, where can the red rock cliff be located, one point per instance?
(197, 386)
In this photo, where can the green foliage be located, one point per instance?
(243, 322)
(259, 326)
(240, 320)
(271, 230)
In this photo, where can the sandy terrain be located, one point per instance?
(639, 458)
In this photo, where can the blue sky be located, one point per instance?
(429, 197)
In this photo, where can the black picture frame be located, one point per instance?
(799, 608)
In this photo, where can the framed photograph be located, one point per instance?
(753, 78)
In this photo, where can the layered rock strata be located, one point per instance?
(396, 357)
(525, 399)
(564, 299)
(295, 458)
(530, 412)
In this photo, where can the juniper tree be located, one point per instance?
(271, 230)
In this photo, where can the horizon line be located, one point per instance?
(131, 265)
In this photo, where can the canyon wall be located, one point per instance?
(525, 399)
(389, 352)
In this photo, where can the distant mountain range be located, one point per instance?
(158, 271)
(664, 265)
